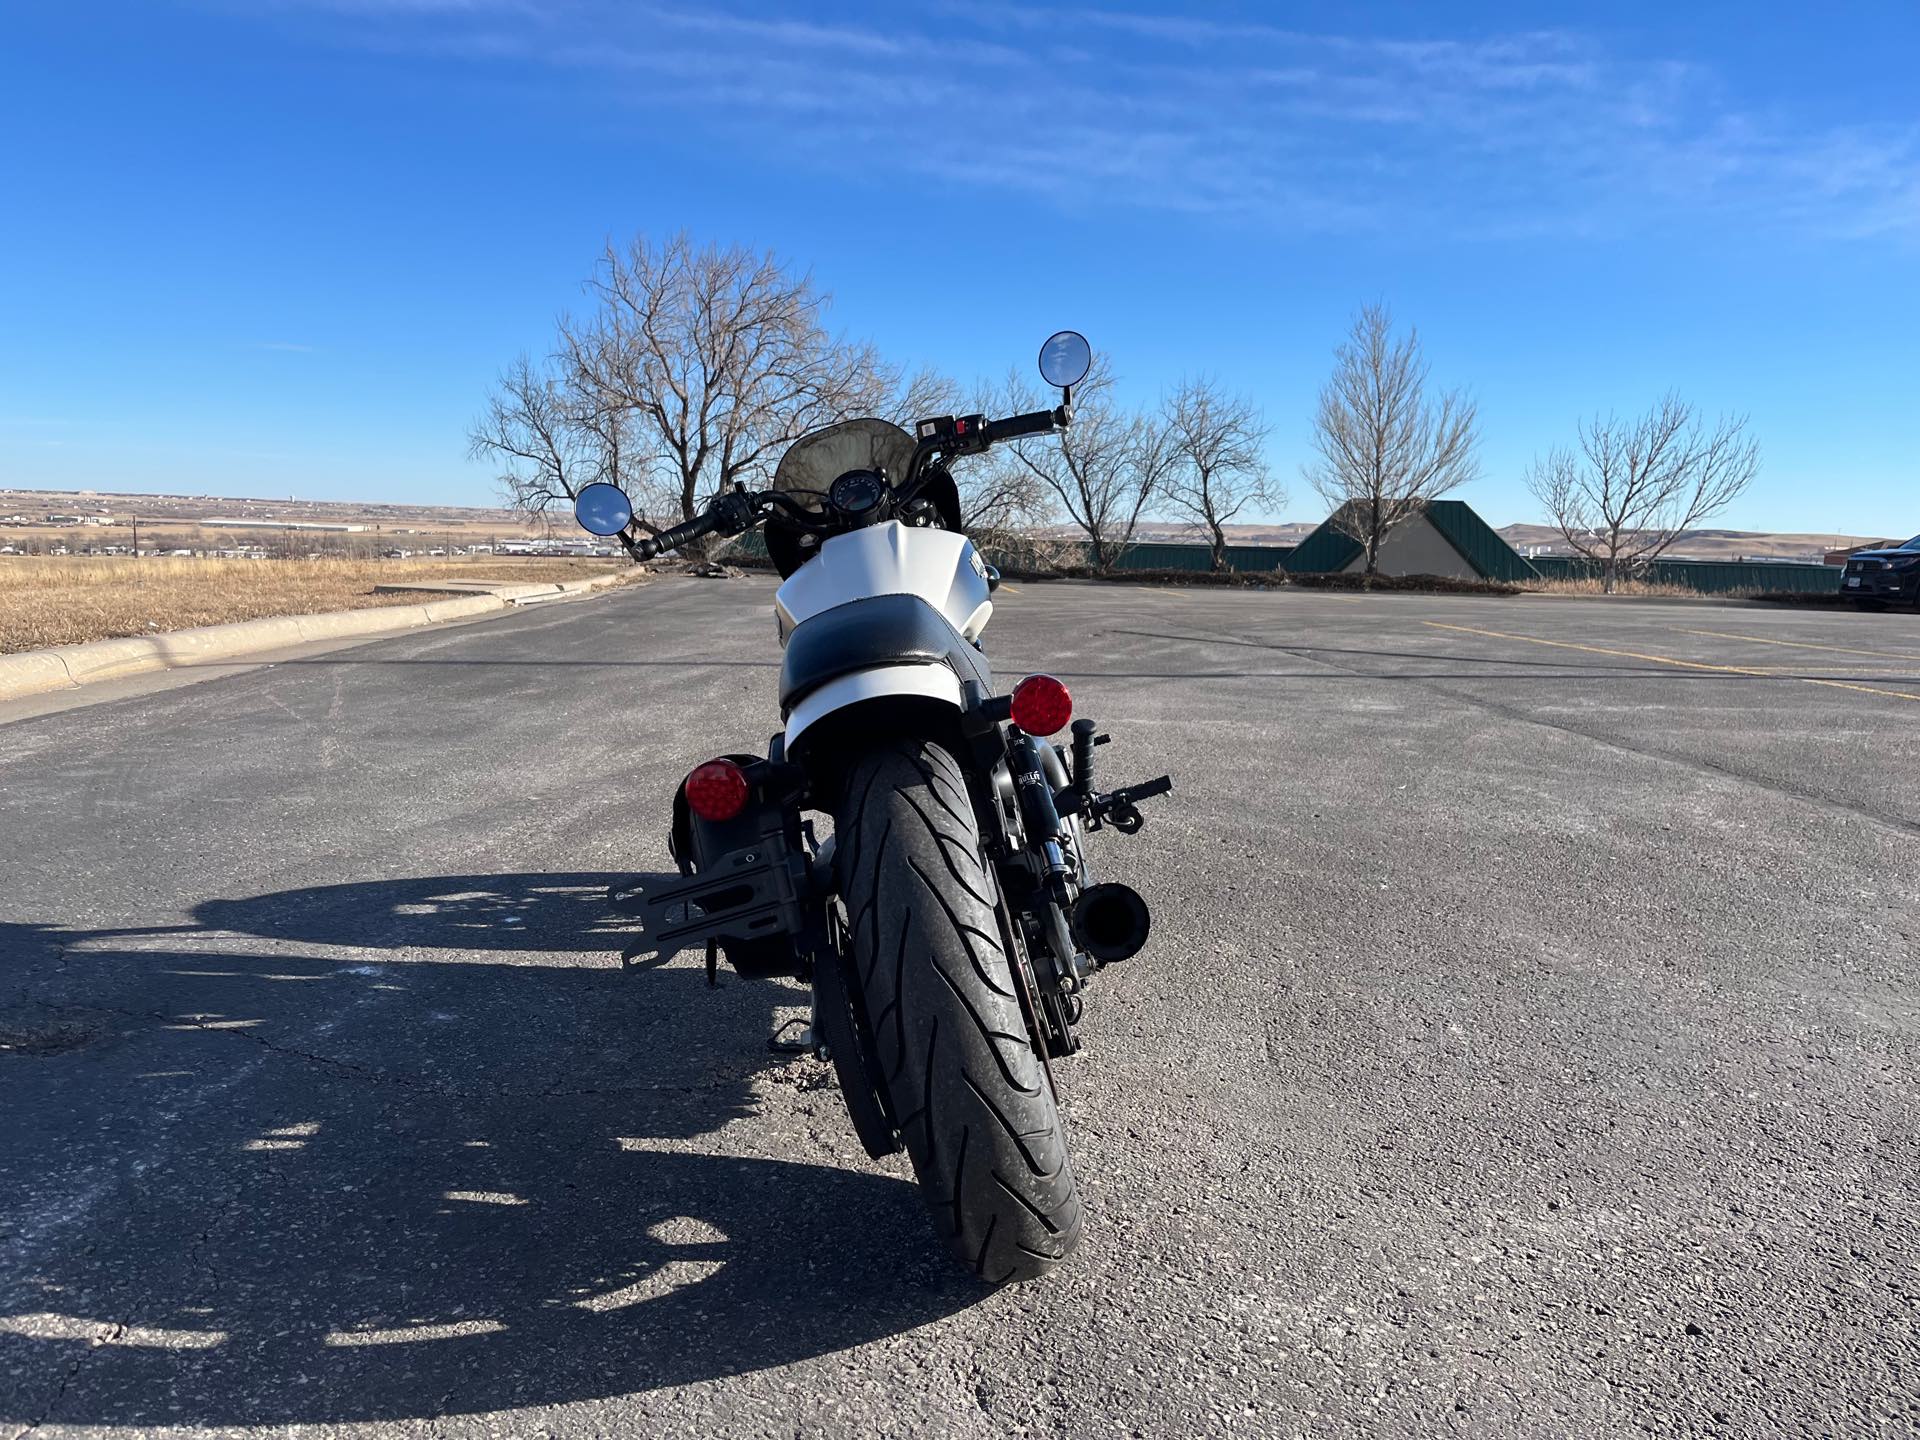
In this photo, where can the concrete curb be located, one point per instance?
(34, 673)
(469, 587)
(68, 667)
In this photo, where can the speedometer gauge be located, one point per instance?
(857, 492)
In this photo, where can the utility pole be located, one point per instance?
(136, 537)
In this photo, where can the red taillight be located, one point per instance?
(717, 790)
(1041, 705)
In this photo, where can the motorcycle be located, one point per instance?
(949, 923)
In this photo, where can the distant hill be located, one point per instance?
(191, 509)
(1696, 544)
(160, 514)
(1288, 532)
(1711, 544)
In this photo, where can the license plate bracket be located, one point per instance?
(747, 894)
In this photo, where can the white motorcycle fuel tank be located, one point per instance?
(939, 566)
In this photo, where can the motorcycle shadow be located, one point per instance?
(343, 1188)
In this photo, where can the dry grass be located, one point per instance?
(67, 600)
(1593, 585)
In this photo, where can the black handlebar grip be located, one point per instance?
(678, 536)
(1083, 758)
(1040, 422)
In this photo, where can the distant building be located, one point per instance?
(1840, 557)
(1446, 538)
(228, 523)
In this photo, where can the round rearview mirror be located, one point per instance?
(602, 509)
(1065, 359)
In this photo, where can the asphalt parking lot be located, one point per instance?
(1527, 1045)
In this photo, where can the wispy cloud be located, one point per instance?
(388, 9)
(1536, 132)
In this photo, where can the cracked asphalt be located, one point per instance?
(1526, 1047)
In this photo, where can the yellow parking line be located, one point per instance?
(1854, 672)
(1010, 589)
(1670, 660)
(1800, 644)
(1863, 689)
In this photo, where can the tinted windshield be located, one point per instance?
(815, 461)
(1913, 544)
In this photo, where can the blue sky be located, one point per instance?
(282, 246)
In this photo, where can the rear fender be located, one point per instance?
(847, 717)
(859, 690)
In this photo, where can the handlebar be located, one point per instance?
(1040, 422)
(649, 546)
(737, 511)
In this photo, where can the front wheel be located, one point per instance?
(971, 1098)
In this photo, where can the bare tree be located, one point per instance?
(528, 431)
(1218, 469)
(918, 396)
(1104, 469)
(1385, 451)
(1001, 496)
(550, 441)
(720, 357)
(1637, 485)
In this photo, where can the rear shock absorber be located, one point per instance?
(1038, 810)
(1041, 820)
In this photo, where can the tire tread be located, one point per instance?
(953, 1043)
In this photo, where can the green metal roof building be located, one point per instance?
(1447, 538)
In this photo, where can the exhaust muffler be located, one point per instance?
(1110, 922)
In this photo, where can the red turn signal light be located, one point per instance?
(1041, 705)
(717, 790)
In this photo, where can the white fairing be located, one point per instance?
(940, 567)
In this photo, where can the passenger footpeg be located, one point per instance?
(1120, 808)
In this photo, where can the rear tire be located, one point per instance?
(970, 1096)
